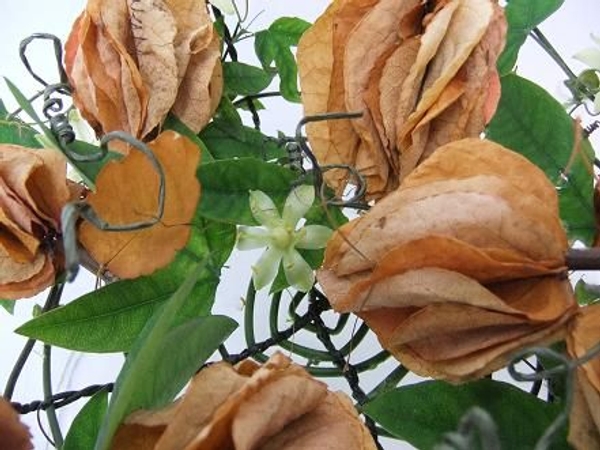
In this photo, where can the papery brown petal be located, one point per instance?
(127, 192)
(584, 423)
(207, 391)
(584, 334)
(237, 424)
(374, 37)
(142, 430)
(333, 424)
(431, 39)
(154, 29)
(467, 26)
(13, 434)
(201, 88)
(38, 178)
(461, 342)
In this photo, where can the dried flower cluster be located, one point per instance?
(459, 267)
(278, 406)
(33, 190)
(423, 74)
(130, 62)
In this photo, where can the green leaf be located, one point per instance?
(227, 112)
(226, 183)
(421, 413)
(172, 122)
(273, 45)
(110, 319)
(244, 79)
(14, 131)
(522, 17)
(8, 305)
(531, 122)
(163, 359)
(84, 429)
(226, 141)
(586, 293)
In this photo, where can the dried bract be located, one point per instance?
(458, 268)
(250, 407)
(130, 62)
(33, 190)
(127, 192)
(584, 334)
(423, 74)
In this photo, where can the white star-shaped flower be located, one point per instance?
(281, 236)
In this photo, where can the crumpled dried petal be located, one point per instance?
(131, 62)
(13, 434)
(274, 406)
(459, 267)
(422, 79)
(33, 190)
(584, 334)
(127, 192)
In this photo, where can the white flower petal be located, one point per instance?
(590, 57)
(297, 271)
(297, 204)
(264, 210)
(265, 269)
(226, 6)
(314, 237)
(250, 238)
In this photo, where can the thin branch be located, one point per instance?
(583, 259)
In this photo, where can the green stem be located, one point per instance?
(52, 302)
(573, 82)
(17, 369)
(50, 411)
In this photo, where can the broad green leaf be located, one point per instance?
(15, 131)
(227, 112)
(522, 17)
(8, 305)
(84, 429)
(163, 359)
(110, 319)
(226, 185)
(226, 141)
(273, 45)
(87, 170)
(172, 122)
(531, 122)
(244, 79)
(586, 293)
(422, 412)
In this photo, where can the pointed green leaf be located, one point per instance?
(163, 359)
(421, 413)
(14, 131)
(522, 17)
(226, 140)
(586, 293)
(84, 429)
(110, 319)
(8, 305)
(531, 122)
(273, 45)
(226, 185)
(244, 79)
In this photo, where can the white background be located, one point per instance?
(568, 30)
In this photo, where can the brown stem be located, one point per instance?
(583, 259)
